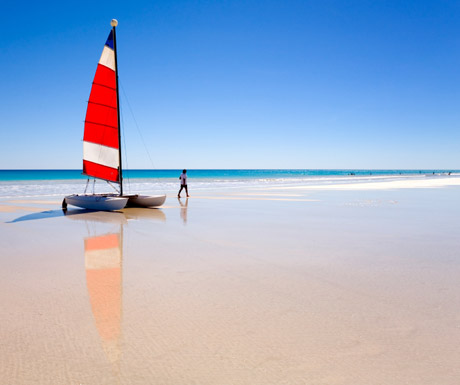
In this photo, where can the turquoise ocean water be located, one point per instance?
(49, 175)
(57, 183)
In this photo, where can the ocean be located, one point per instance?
(40, 183)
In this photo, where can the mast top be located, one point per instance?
(114, 22)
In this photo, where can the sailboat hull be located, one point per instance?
(145, 200)
(97, 202)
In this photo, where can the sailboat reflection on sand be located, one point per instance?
(103, 265)
(103, 252)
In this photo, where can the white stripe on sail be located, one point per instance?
(103, 259)
(97, 153)
(108, 58)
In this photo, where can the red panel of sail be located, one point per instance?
(105, 77)
(103, 119)
(103, 95)
(100, 171)
(101, 123)
(97, 134)
(103, 242)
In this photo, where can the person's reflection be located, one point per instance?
(183, 209)
(103, 264)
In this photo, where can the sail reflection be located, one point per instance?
(103, 252)
(103, 264)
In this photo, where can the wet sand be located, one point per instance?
(273, 285)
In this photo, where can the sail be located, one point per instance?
(100, 140)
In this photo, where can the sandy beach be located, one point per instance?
(352, 282)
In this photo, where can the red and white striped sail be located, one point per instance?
(100, 141)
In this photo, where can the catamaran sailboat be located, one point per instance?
(101, 139)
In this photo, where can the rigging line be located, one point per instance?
(137, 126)
(111, 185)
(87, 182)
(123, 136)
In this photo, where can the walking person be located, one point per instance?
(183, 183)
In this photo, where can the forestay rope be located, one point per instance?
(138, 130)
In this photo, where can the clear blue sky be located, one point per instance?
(238, 84)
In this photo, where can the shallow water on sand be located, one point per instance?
(257, 287)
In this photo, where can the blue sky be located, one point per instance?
(238, 84)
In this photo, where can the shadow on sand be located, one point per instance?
(100, 216)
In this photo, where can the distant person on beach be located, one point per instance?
(183, 183)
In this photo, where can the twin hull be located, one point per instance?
(107, 202)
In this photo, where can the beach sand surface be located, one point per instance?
(275, 285)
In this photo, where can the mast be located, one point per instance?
(114, 23)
